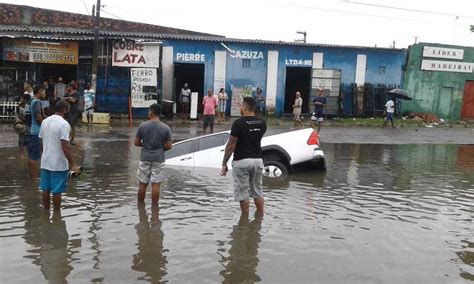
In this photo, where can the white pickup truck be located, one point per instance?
(281, 152)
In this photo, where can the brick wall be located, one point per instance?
(25, 15)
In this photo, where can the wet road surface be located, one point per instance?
(380, 214)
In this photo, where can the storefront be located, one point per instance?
(440, 78)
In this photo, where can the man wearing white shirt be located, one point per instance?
(389, 109)
(57, 158)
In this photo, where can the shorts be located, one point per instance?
(33, 147)
(72, 118)
(53, 181)
(389, 115)
(208, 120)
(317, 116)
(89, 111)
(150, 171)
(247, 175)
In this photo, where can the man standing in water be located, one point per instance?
(155, 138)
(57, 157)
(247, 167)
(209, 103)
(34, 118)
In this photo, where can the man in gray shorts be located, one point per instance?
(247, 167)
(155, 138)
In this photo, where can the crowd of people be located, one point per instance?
(45, 122)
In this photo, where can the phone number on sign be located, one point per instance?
(54, 57)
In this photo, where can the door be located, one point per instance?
(445, 101)
(467, 110)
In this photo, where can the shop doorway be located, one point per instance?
(467, 111)
(193, 74)
(297, 79)
(67, 72)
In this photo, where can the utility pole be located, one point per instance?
(95, 47)
(416, 39)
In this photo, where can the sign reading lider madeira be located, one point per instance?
(447, 66)
(441, 52)
(132, 54)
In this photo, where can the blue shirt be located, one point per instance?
(319, 108)
(35, 109)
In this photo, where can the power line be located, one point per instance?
(108, 13)
(85, 7)
(406, 9)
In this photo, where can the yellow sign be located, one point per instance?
(25, 50)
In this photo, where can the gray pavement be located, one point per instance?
(119, 130)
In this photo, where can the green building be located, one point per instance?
(440, 79)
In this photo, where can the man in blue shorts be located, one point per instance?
(389, 110)
(57, 158)
(34, 117)
(155, 138)
(247, 167)
(319, 102)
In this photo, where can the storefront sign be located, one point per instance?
(447, 66)
(143, 87)
(132, 54)
(441, 52)
(246, 54)
(64, 52)
(190, 57)
(299, 62)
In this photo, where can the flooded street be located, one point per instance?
(380, 214)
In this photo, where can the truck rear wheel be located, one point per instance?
(274, 169)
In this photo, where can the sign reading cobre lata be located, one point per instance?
(132, 54)
(441, 52)
(447, 66)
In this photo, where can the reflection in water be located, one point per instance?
(241, 265)
(150, 258)
(379, 212)
(54, 258)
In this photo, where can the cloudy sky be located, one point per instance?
(345, 22)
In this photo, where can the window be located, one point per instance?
(180, 149)
(213, 141)
(382, 69)
(246, 63)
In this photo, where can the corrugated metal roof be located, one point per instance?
(60, 33)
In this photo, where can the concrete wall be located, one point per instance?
(437, 92)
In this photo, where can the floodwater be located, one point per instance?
(380, 214)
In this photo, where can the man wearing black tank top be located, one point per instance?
(247, 165)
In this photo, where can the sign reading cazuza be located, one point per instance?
(447, 66)
(132, 54)
(441, 52)
(246, 54)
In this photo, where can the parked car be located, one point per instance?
(281, 152)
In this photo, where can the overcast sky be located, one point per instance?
(344, 22)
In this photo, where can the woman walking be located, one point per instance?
(297, 110)
(222, 96)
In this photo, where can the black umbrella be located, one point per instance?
(399, 94)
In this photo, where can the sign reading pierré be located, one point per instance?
(143, 87)
(133, 54)
(441, 52)
(63, 52)
(447, 66)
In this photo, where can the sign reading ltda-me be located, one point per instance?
(444, 65)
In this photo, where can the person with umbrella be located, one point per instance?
(389, 110)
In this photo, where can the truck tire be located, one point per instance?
(274, 169)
